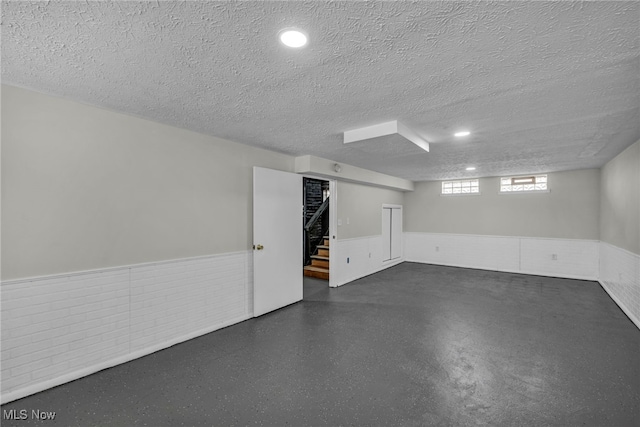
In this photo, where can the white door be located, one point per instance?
(391, 232)
(277, 239)
(386, 234)
(396, 233)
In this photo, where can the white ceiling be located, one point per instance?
(542, 86)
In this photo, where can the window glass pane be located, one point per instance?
(461, 187)
(524, 183)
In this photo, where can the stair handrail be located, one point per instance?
(323, 207)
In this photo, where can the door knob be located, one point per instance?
(258, 247)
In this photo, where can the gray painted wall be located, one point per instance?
(86, 188)
(620, 201)
(569, 210)
(362, 206)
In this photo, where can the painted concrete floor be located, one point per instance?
(412, 345)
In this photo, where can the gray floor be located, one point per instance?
(412, 345)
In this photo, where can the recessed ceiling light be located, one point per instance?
(293, 38)
(462, 133)
(471, 168)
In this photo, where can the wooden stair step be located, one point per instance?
(324, 258)
(320, 263)
(313, 268)
(317, 272)
(323, 247)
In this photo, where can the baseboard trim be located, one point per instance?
(531, 273)
(72, 376)
(619, 303)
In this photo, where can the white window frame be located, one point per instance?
(458, 187)
(535, 183)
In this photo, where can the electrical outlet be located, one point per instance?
(437, 248)
(554, 257)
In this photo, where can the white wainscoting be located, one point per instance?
(575, 259)
(358, 257)
(59, 328)
(620, 277)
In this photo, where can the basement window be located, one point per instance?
(520, 184)
(468, 186)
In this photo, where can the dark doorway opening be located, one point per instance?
(316, 228)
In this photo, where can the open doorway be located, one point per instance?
(316, 232)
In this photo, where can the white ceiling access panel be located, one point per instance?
(384, 129)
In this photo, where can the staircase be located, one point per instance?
(319, 267)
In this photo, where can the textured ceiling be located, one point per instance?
(543, 86)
